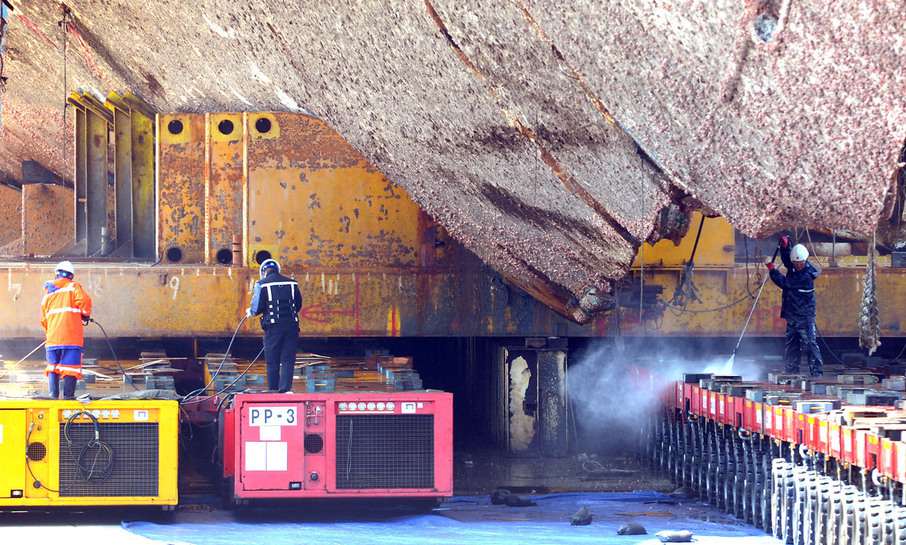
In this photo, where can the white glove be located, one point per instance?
(248, 312)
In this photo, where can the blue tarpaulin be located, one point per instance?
(465, 520)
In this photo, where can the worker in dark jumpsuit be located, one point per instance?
(277, 299)
(798, 306)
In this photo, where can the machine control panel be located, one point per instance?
(380, 407)
(105, 414)
(118, 415)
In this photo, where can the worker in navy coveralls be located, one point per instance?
(798, 306)
(277, 299)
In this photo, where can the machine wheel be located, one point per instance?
(859, 519)
(797, 511)
(833, 519)
(807, 527)
(755, 507)
(776, 500)
(764, 506)
(845, 522)
(727, 485)
(740, 497)
(899, 526)
(821, 514)
(787, 504)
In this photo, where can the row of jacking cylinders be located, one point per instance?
(801, 498)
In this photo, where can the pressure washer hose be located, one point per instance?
(226, 354)
(112, 351)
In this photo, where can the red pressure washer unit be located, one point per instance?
(338, 445)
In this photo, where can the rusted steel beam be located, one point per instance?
(46, 219)
(11, 216)
(225, 195)
(122, 161)
(181, 188)
(96, 203)
(173, 301)
(80, 150)
(315, 201)
(86, 101)
(144, 219)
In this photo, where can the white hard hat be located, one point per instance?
(266, 264)
(65, 266)
(799, 253)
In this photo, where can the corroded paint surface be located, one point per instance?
(308, 198)
(143, 195)
(545, 136)
(838, 292)
(315, 202)
(47, 219)
(10, 215)
(225, 187)
(145, 301)
(716, 247)
(181, 186)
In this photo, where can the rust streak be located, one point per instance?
(573, 73)
(556, 167)
(33, 27)
(573, 186)
(455, 46)
(596, 102)
(206, 173)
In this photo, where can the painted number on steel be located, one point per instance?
(272, 416)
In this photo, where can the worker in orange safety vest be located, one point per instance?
(65, 311)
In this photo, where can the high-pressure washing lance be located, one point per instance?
(729, 366)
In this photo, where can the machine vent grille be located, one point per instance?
(385, 451)
(135, 460)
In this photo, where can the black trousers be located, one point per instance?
(802, 337)
(280, 352)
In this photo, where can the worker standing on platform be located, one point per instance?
(798, 306)
(65, 311)
(277, 300)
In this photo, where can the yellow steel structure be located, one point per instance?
(726, 289)
(235, 188)
(33, 451)
(285, 184)
(716, 248)
(369, 261)
(321, 204)
(112, 211)
(199, 300)
(182, 187)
